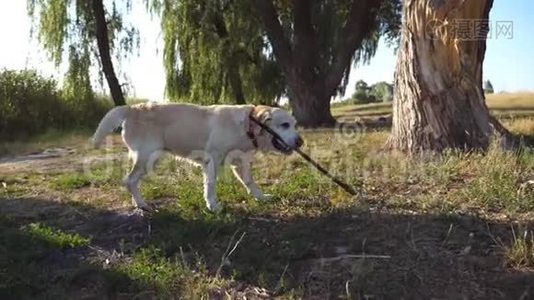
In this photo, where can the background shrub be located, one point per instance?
(31, 103)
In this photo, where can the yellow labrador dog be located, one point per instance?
(204, 135)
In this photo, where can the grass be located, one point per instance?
(71, 181)
(54, 236)
(439, 225)
(521, 253)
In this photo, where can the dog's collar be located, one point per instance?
(250, 131)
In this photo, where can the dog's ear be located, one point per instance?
(262, 113)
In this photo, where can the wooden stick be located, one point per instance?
(349, 189)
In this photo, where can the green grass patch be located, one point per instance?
(520, 254)
(56, 237)
(71, 181)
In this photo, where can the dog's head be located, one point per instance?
(281, 122)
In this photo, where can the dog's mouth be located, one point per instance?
(282, 147)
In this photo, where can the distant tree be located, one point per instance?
(91, 33)
(361, 86)
(383, 91)
(488, 87)
(361, 92)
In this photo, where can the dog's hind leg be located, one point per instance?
(142, 163)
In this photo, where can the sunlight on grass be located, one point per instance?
(55, 236)
(502, 104)
(521, 253)
(521, 125)
(51, 139)
(510, 101)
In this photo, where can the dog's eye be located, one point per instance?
(285, 125)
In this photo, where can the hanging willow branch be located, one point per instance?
(85, 34)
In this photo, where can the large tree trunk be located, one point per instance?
(105, 53)
(311, 110)
(439, 101)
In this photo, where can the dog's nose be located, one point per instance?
(299, 142)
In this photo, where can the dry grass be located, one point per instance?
(520, 125)
(520, 254)
(506, 105)
(511, 101)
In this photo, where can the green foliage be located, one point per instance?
(206, 41)
(361, 93)
(66, 29)
(381, 91)
(31, 104)
(207, 44)
(26, 101)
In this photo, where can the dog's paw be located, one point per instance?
(214, 206)
(263, 197)
(150, 208)
(146, 209)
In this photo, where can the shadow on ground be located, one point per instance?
(341, 253)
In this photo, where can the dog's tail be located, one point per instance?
(109, 122)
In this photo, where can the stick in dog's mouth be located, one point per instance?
(281, 146)
(278, 140)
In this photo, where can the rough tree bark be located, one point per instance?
(102, 39)
(439, 101)
(310, 86)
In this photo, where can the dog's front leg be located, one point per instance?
(210, 167)
(242, 169)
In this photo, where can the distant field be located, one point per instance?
(502, 104)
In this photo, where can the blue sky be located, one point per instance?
(509, 63)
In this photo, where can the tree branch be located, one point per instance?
(279, 42)
(102, 39)
(361, 16)
(304, 35)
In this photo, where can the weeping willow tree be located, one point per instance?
(215, 52)
(85, 33)
(316, 42)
